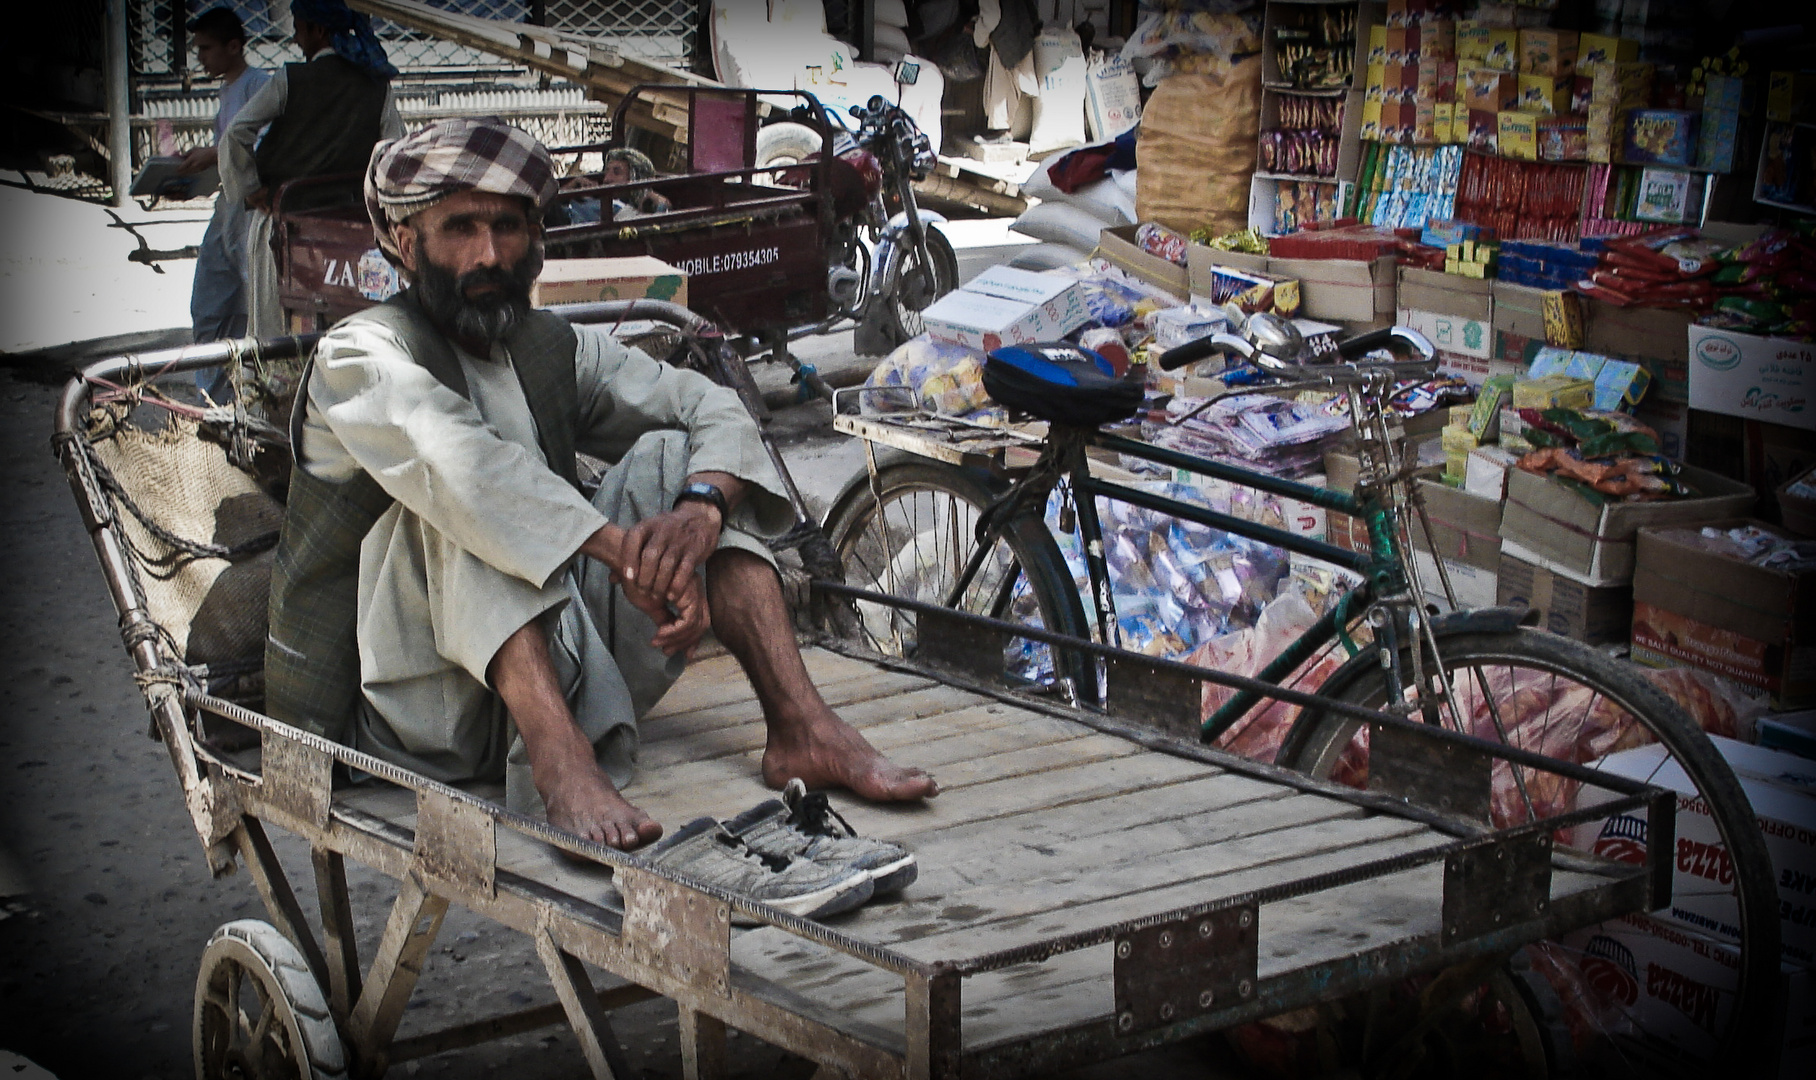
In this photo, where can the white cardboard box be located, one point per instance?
(1453, 333)
(1475, 586)
(1759, 378)
(1782, 790)
(1004, 306)
(1677, 986)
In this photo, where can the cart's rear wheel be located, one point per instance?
(259, 1014)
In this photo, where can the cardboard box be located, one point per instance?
(1660, 137)
(1653, 337)
(1519, 135)
(1474, 586)
(1754, 624)
(1623, 85)
(1760, 378)
(1519, 309)
(1668, 197)
(638, 277)
(1670, 419)
(1548, 52)
(1558, 391)
(1546, 95)
(1465, 527)
(1452, 333)
(1201, 262)
(1118, 245)
(1004, 306)
(1485, 476)
(1566, 605)
(1678, 987)
(1341, 290)
(1563, 138)
(1484, 130)
(1596, 543)
(1472, 40)
(1503, 49)
(1487, 89)
(1782, 790)
(1798, 510)
(1788, 96)
(1445, 294)
(1601, 49)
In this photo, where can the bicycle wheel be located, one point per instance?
(1561, 698)
(912, 537)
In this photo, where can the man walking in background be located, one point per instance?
(325, 115)
(217, 304)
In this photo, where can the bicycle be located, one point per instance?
(967, 532)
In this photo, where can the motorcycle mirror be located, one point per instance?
(907, 73)
(877, 102)
(858, 111)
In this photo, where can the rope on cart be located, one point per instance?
(180, 545)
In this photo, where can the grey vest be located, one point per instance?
(332, 114)
(311, 655)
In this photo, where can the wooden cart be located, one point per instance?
(1091, 884)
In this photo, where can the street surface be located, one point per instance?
(105, 902)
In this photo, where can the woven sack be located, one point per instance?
(1197, 150)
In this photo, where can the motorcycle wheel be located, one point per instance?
(916, 286)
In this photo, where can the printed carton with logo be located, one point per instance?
(1677, 987)
(1005, 306)
(1759, 378)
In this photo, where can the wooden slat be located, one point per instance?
(871, 700)
(1200, 875)
(718, 680)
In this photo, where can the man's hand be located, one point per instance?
(660, 554)
(197, 160)
(679, 623)
(260, 200)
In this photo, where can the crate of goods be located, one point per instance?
(1566, 604)
(1124, 245)
(1797, 503)
(1737, 598)
(1344, 275)
(1465, 530)
(1557, 524)
(1655, 338)
(1753, 376)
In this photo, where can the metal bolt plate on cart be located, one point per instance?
(674, 929)
(959, 646)
(295, 778)
(1496, 886)
(1438, 775)
(1178, 970)
(456, 842)
(1168, 701)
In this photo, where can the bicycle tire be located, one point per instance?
(872, 535)
(1318, 741)
(903, 307)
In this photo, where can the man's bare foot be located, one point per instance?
(828, 753)
(587, 804)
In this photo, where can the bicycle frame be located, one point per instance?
(1381, 567)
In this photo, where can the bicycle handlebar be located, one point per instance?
(1360, 345)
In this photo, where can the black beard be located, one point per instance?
(486, 319)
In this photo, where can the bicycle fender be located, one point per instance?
(1488, 620)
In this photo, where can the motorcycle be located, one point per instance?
(888, 259)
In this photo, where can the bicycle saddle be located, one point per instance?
(1061, 383)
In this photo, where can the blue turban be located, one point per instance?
(354, 40)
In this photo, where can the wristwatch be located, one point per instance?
(706, 493)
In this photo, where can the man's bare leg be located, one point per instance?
(806, 738)
(580, 798)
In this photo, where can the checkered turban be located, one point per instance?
(411, 174)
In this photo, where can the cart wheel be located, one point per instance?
(259, 1014)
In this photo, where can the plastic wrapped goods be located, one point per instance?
(934, 376)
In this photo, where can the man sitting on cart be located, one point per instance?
(445, 597)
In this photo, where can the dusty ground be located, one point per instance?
(98, 956)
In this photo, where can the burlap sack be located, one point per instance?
(1197, 150)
